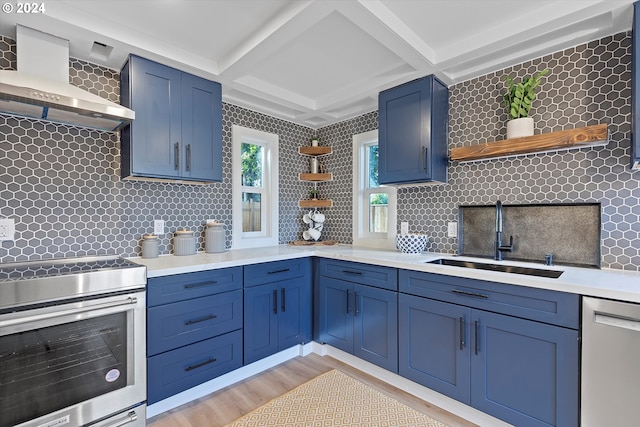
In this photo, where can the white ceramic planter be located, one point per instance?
(517, 128)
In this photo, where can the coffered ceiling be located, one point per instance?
(316, 62)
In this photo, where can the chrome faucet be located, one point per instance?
(499, 247)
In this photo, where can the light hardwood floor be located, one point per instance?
(230, 403)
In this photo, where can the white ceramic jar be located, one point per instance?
(214, 237)
(313, 164)
(150, 246)
(184, 243)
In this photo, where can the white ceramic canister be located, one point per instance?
(214, 237)
(313, 164)
(150, 246)
(184, 242)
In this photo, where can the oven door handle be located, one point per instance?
(129, 418)
(70, 312)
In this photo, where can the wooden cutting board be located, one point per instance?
(312, 243)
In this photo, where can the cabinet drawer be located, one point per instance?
(553, 307)
(366, 274)
(269, 272)
(180, 287)
(175, 325)
(178, 370)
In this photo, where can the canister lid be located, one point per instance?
(149, 236)
(183, 232)
(214, 223)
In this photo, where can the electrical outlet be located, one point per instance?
(7, 229)
(158, 227)
(404, 227)
(452, 229)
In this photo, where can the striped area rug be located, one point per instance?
(334, 399)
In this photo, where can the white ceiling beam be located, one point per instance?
(530, 24)
(395, 25)
(279, 32)
(261, 88)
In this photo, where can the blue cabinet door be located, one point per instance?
(294, 312)
(201, 129)
(375, 317)
(635, 88)
(260, 322)
(277, 306)
(177, 133)
(336, 313)
(412, 132)
(434, 344)
(148, 144)
(526, 373)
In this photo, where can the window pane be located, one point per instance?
(251, 212)
(378, 208)
(373, 166)
(252, 165)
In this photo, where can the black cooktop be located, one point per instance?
(59, 267)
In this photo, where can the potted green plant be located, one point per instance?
(313, 194)
(518, 100)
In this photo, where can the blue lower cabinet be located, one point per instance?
(276, 316)
(195, 318)
(185, 322)
(294, 313)
(335, 314)
(180, 369)
(521, 371)
(188, 286)
(360, 320)
(375, 326)
(434, 339)
(526, 373)
(261, 320)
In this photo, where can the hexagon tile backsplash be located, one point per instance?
(586, 85)
(62, 184)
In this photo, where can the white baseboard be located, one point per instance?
(426, 394)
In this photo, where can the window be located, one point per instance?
(255, 188)
(374, 207)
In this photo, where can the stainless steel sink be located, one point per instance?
(540, 272)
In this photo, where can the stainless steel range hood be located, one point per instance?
(40, 87)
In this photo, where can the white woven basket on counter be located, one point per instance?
(411, 243)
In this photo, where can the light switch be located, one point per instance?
(7, 229)
(452, 229)
(158, 227)
(404, 227)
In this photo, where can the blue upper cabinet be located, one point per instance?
(635, 89)
(177, 133)
(412, 132)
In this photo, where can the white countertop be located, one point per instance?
(605, 283)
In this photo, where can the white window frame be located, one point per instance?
(269, 191)
(361, 234)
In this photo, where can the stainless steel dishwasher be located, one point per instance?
(610, 363)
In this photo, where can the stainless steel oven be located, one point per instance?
(72, 343)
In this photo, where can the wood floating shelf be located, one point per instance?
(316, 177)
(315, 151)
(315, 203)
(589, 136)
